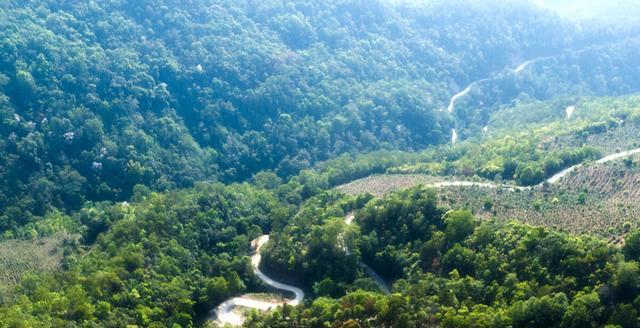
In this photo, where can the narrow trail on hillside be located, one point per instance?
(524, 65)
(519, 69)
(527, 63)
(454, 99)
(452, 102)
(367, 269)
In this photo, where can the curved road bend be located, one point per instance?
(225, 314)
(553, 179)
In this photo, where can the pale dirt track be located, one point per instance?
(380, 185)
(226, 314)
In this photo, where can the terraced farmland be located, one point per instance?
(601, 199)
(556, 207)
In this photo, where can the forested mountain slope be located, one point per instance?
(160, 159)
(97, 97)
(602, 69)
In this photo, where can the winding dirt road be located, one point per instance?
(553, 179)
(609, 158)
(527, 63)
(454, 99)
(523, 66)
(517, 70)
(380, 185)
(452, 102)
(225, 313)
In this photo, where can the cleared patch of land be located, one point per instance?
(18, 257)
(380, 185)
(601, 199)
(238, 313)
(613, 140)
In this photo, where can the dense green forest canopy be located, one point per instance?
(164, 260)
(167, 259)
(155, 139)
(99, 96)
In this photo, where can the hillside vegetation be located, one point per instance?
(165, 261)
(98, 97)
(595, 198)
(451, 270)
(162, 159)
(19, 258)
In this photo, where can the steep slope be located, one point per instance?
(96, 98)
